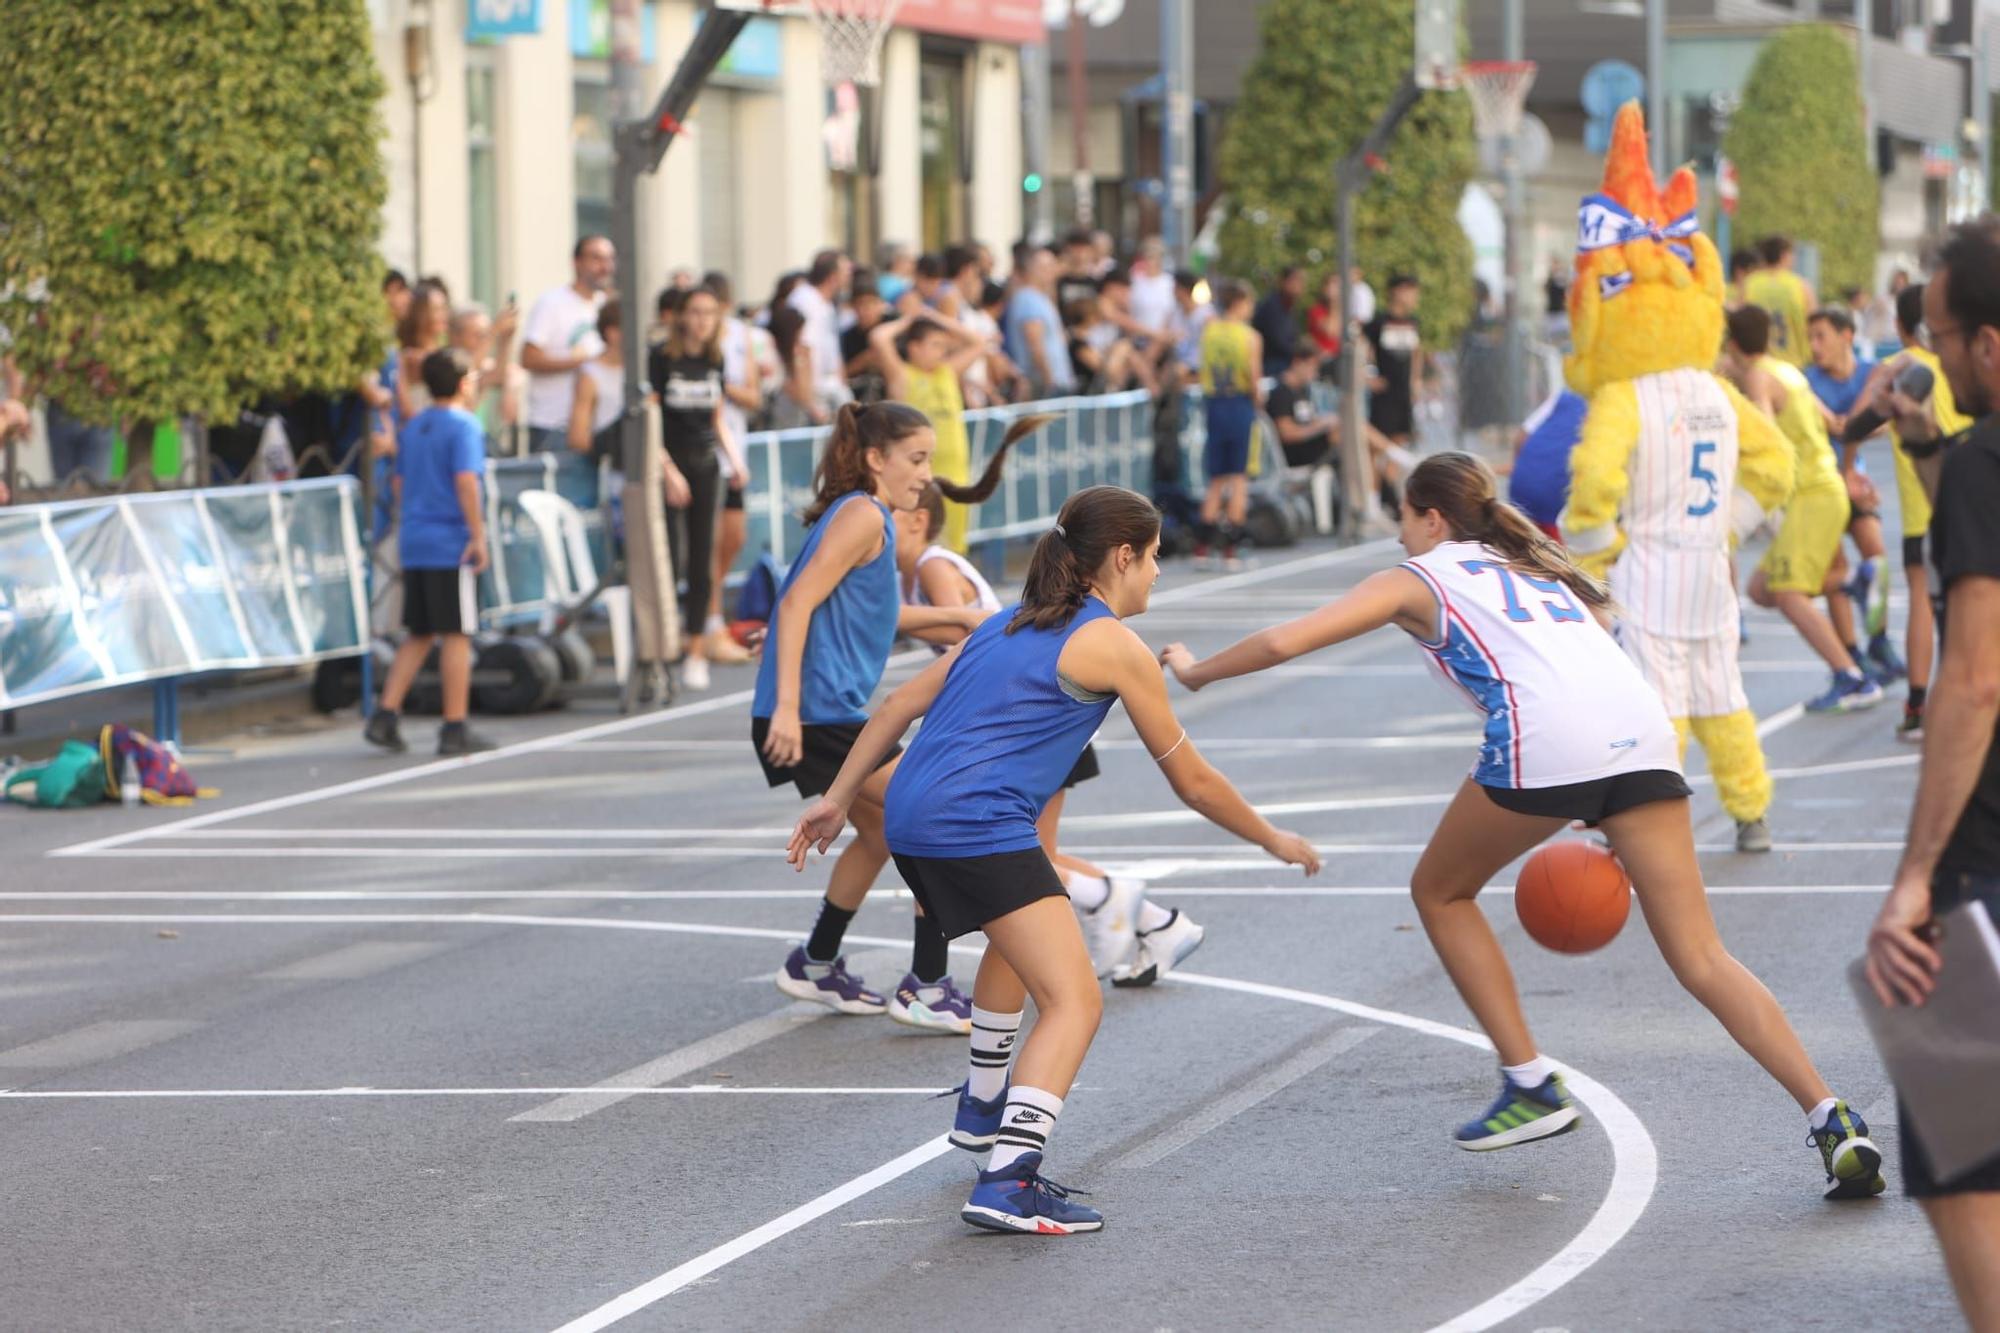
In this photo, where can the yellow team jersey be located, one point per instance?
(1804, 427)
(935, 393)
(1783, 295)
(1917, 505)
(1225, 359)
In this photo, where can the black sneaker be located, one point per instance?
(456, 738)
(383, 731)
(1911, 729)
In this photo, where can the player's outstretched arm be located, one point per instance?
(1108, 657)
(1391, 597)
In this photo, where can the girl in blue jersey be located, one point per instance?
(1006, 713)
(839, 610)
(1572, 732)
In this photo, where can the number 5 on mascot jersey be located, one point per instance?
(1672, 462)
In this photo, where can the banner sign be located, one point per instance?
(97, 593)
(486, 20)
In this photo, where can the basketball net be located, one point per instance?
(851, 33)
(1499, 93)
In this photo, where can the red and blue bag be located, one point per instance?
(162, 779)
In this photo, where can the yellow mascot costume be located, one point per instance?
(1672, 462)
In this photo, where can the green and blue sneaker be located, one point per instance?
(1519, 1115)
(1853, 1162)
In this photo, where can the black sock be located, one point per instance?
(823, 946)
(1917, 693)
(929, 955)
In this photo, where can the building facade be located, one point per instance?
(498, 140)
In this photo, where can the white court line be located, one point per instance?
(1635, 1162)
(693, 1090)
(557, 739)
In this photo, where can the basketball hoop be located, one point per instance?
(1499, 93)
(851, 33)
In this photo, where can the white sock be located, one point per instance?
(992, 1049)
(1088, 891)
(1152, 916)
(713, 625)
(1532, 1074)
(1819, 1115)
(1025, 1125)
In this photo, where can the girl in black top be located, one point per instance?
(686, 372)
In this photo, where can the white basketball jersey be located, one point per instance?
(1673, 577)
(1562, 702)
(983, 599)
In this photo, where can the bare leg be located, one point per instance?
(1238, 488)
(1473, 840)
(455, 674)
(1211, 501)
(858, 864)
(403, 671)
(1047, 827)
(1815, 629)
(1968, 1230)
(1921, 632)
(1038, 949)
(1656, 844)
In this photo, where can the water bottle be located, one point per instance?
(128, 783)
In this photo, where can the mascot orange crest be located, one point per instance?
(1648, 289)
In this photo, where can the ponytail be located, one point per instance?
(989, 480)
(1463, 490)
(858, 428)
(1094, 522)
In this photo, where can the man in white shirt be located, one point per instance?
(561, 335)
(817, 300)
(1152, 298)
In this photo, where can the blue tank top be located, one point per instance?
(996, 744)
(850, 636)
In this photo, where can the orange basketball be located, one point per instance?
(1572, 897)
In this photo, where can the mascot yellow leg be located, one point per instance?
(1736, 758)
(1681, 731)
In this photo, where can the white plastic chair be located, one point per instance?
(571, 571)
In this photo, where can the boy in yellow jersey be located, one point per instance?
(921, 359)
(1804, 559)
(1788, 298)
(1231, 354)
(1921, 631)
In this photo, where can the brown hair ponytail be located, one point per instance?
(1094, 522)
(1463, 491)
(989, 480)
(858, 428)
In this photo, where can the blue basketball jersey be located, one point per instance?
(996, 744)
(851, 633)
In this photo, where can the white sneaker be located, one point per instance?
(694, 673)
(1160, 951)
(1109, 930)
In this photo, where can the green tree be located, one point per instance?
(190, 196)
(1800, 145)
(1324, 71)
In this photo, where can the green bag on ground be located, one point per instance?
(75, 777)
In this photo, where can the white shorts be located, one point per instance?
(1693, 677)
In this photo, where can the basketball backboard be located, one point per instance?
(1437, 44)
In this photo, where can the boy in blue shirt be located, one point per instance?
(440, 457)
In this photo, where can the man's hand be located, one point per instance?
(679, 494)
(474, 556)
(1902, 965)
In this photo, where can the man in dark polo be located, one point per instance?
(1953, 853)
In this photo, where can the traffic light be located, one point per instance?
(1032, 182)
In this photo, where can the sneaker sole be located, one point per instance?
(989, 1219)
(811, 994)
(1550, 1125)
(1157, 970)
(972, 1142)
(923, 1020)
(1857, 1170)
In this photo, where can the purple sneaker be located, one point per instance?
(935, 1007)
(830, 984)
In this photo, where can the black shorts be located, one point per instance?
(1948, 890)
(1309, 453)
(732, 498)
(1084, 769)
(824, 747)
(441, 601)
(1596, 800)
(963, 893)
(1913, 551)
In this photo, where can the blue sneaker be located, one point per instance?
(1520, 1115)
(977, 1123)
(830, 984)
(1853, 1162)
(1883, 662)
(936, 1006)
(1846, 694)
(1018, 1198)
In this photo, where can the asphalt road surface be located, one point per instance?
(398, 1043)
